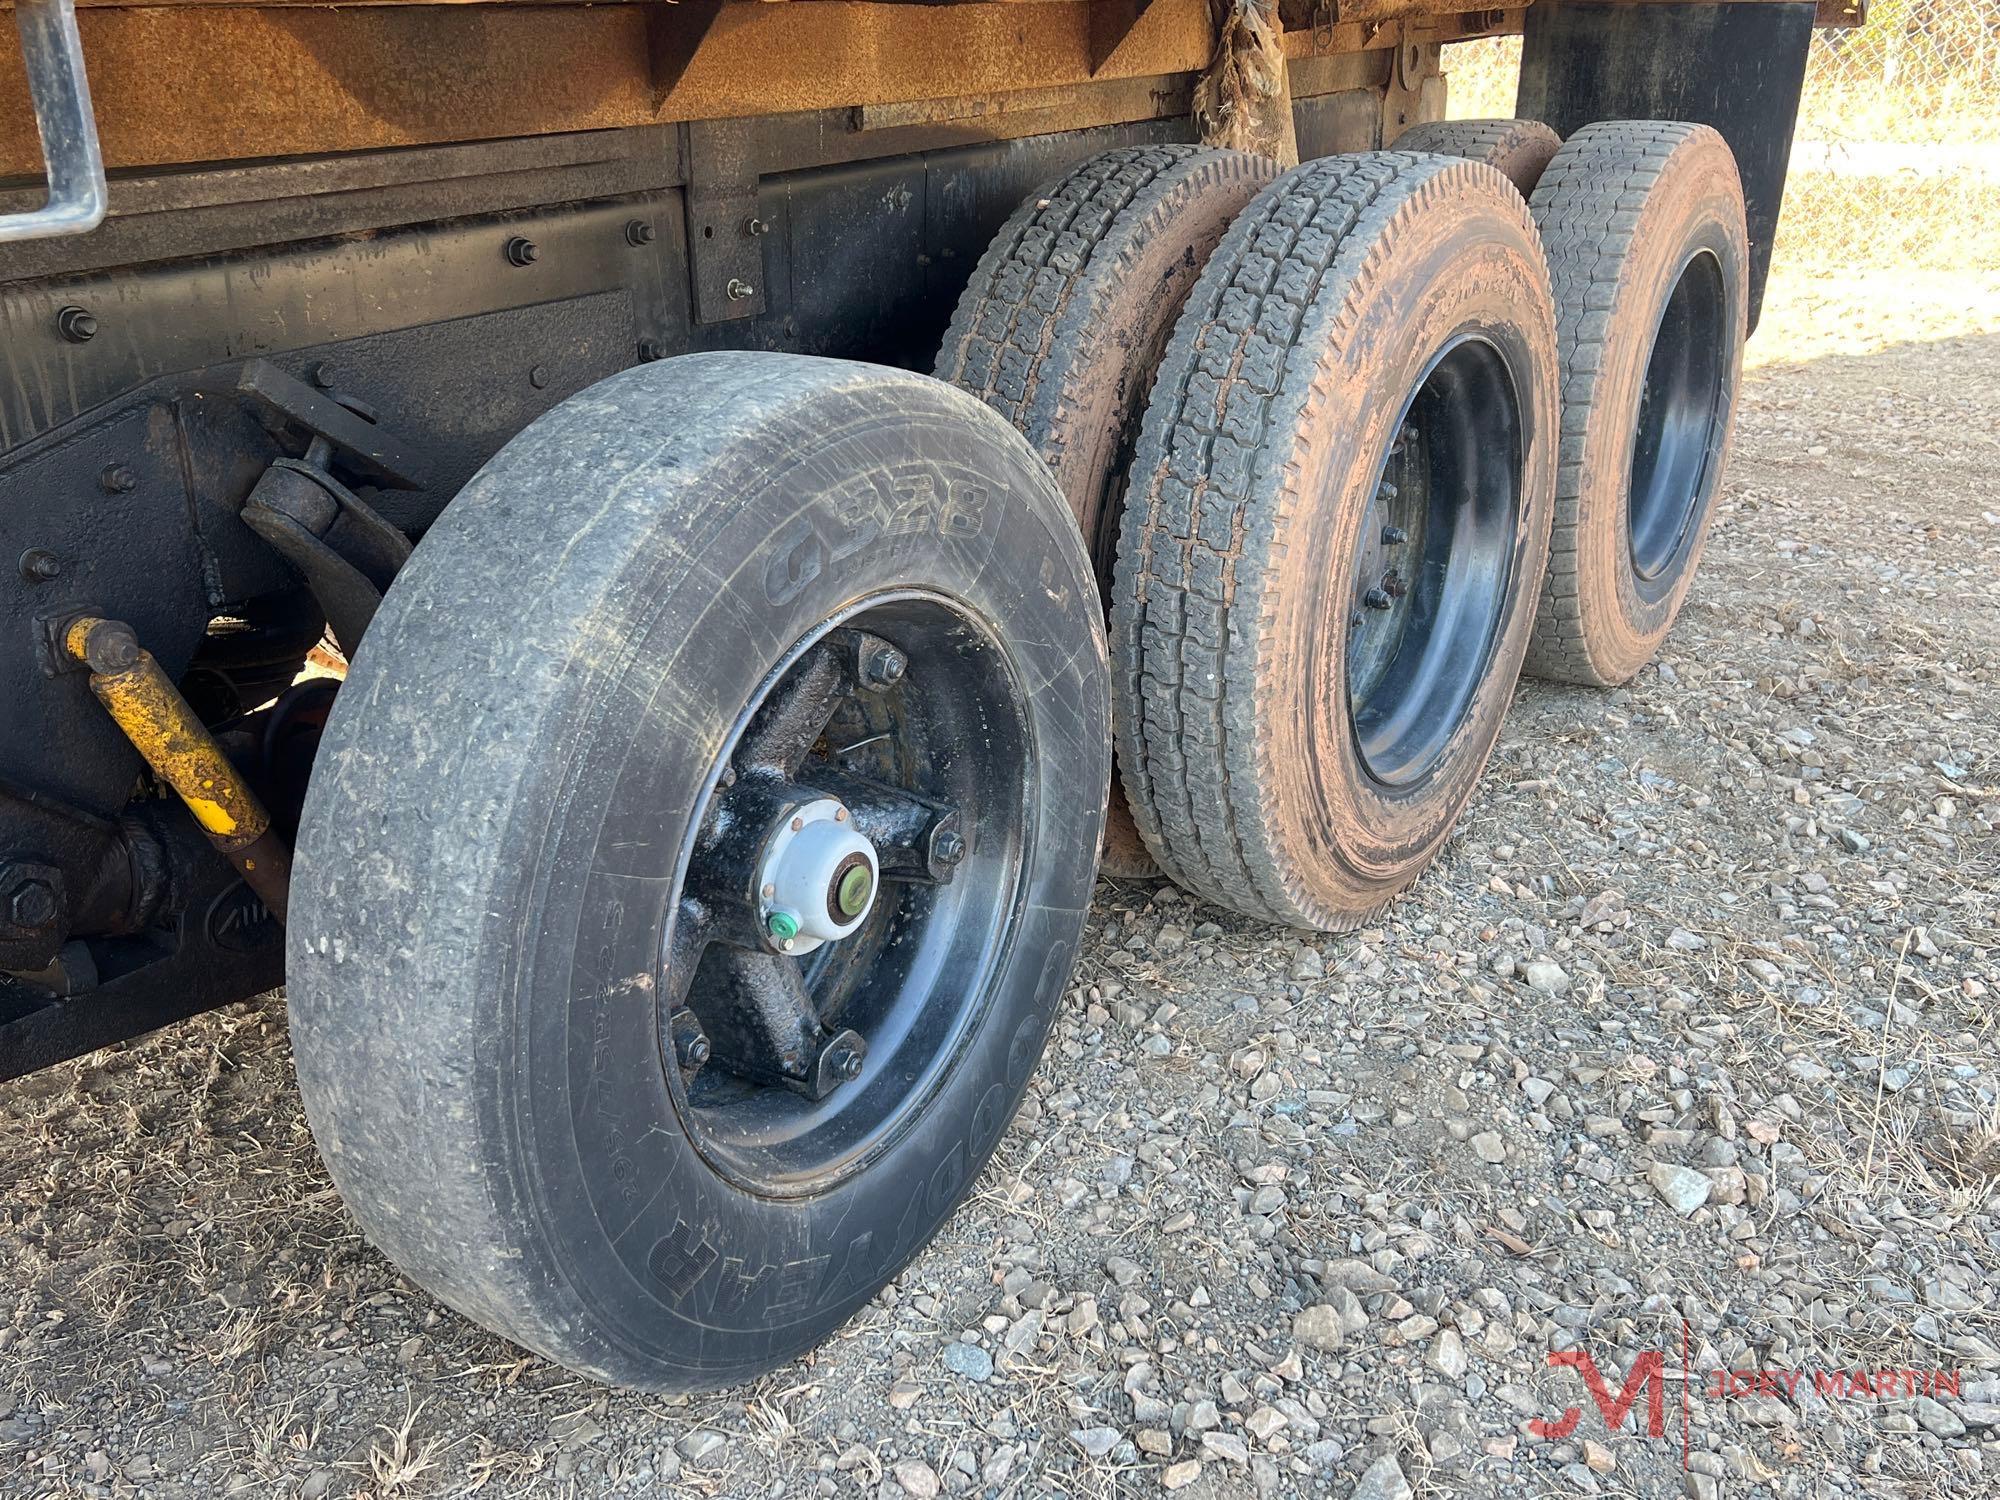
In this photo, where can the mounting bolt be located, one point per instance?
(650, 350)
(640, 232)
(538, 377)
(846, 1062)
(1394, 536)
(77, 325)
(116, 479)
(39, 565)
(1385, 491)
(884, 668)
(31, 893)
(948, 848)
(691, 1044)
(522, 251)
(782, 926)
(1376, 599)
(754, 226)
(740, 290)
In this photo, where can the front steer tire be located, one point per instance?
(491, 860)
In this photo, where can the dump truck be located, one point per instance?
(635, 556)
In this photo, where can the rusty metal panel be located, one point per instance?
(214, 83)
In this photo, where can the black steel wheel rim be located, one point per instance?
(1680, 419)
(1434, 561)
(934, 767)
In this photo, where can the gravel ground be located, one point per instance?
(1693, 1027)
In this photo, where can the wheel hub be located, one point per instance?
(816, 879)
(845, 893)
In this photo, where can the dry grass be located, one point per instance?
(1896, 161)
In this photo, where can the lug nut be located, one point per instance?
(522, 251)
(885, 667)
(1376, 599)
(948, 848)
(691, 1044)
(1394, 536)
(76, 325)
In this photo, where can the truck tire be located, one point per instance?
(1649, 260)
(1063, 323)
(1518, 149)
(1363, 381)
(666, 658)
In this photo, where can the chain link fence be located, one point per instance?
(1896, 159)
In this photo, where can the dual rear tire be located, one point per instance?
(1305, 767)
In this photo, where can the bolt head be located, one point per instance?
(33, 904)
(521, 251)
(77, 325)
(885, 667)
(1394, 536)
(38, 565)
(948, 848)
(740, 290)
(848, 1065)
(640, 232)
(650, 350)
(783, 926)
(1376, 599)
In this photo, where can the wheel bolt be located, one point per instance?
(691, 1045)
(885, 667)
(1394, 536)
(1376, 599)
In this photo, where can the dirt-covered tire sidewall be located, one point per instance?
(1695, 207)
(556, 803)
(1350, 837)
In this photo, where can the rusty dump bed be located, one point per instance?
(223, 80)
(218, 80)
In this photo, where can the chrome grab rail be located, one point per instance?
(53, 52)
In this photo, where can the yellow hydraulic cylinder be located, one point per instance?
(162, 727)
